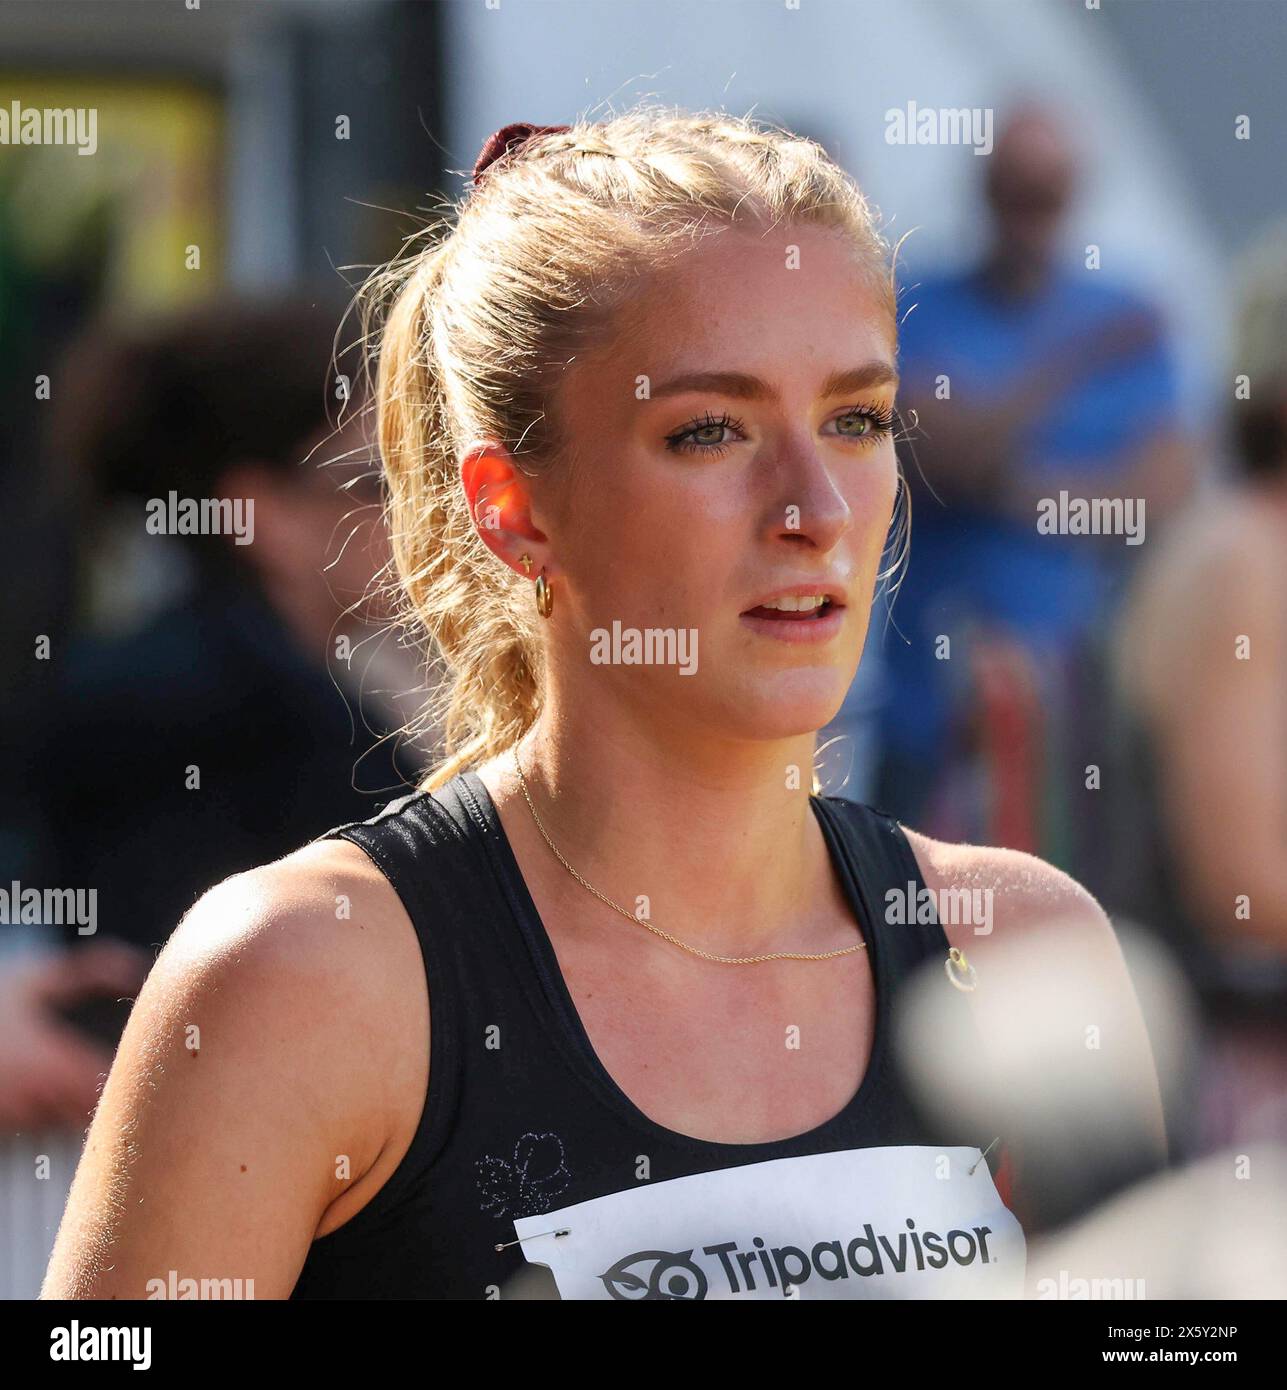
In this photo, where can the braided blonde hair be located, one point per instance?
(488, 304)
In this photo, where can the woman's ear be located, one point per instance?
(499, 500)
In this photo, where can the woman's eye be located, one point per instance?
(867, 423)
(704, 436)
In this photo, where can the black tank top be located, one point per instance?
(524, 1132)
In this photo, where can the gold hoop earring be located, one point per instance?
(544, 596)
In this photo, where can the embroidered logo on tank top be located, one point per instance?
(902, 1221)
(526, 1184)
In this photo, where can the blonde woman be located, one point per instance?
(611, 999)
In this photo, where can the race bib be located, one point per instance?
(892, 1222)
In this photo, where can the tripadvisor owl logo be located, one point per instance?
(656, 1274)
(665, 1274)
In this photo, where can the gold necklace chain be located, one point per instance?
(657, 931)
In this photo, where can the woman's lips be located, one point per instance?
(776, 614)
(820, 625)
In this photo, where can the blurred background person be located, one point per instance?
(256, 705)
(1200, 798)
(1024, 375)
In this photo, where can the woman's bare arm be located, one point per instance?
(262, 1088)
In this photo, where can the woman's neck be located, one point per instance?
(718, 836)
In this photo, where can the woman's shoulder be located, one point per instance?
(1054, 998)
(261, 1091)
(1021, 892)
(314, 947)
(314, 909)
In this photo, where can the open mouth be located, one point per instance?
(795, 610)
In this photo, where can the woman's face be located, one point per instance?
(694, 503)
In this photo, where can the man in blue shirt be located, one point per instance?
(1028, 375)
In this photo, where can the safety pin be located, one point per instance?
(565, 1231)
(981, 1157)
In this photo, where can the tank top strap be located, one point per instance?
(887, 879)
(408, 832)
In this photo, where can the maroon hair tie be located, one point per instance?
(506, 140)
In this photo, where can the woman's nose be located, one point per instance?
(813, 508)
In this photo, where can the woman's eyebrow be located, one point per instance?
(739, 384)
